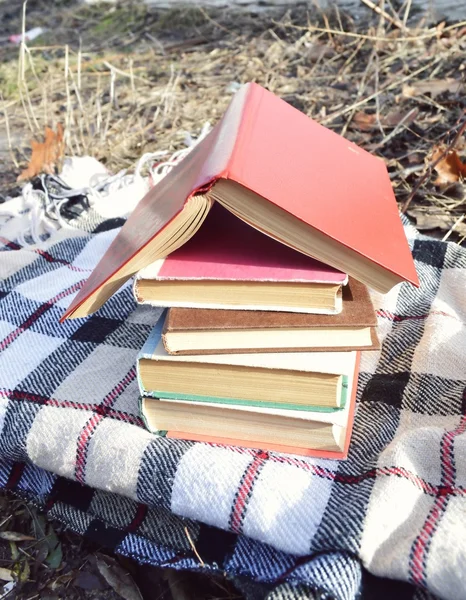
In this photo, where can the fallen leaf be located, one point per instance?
(13, 536)
(46, 155)
(117, 578)
(22, 571)
(364, 121)
(14, 551)
(434, 87)
(395, 117)
(432, 119)
(55, 557)
(59, 582)
(450, 168)
(425, 220)
(317, 51)
(436, 220)
(416, 158)
(49, 546)
(181, 587)
(367, 122)
(6, 574)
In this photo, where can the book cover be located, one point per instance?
(312, 175)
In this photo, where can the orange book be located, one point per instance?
(285, 175)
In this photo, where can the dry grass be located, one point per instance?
(131, 81)
(139, 80)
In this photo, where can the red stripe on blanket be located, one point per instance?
(418, 555)
(15, 475)
(83, 446)
(119, 389)
(52, 259)
(11, 337)
(244, 491)
(97, 408)
(48, 257)
(447, 447)
(419, 550)
(90, 427)
(419, 482)
(139, 517)
(9, 243)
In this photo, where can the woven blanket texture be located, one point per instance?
(72, 441)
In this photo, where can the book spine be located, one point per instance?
(228, 136)
(251, 106)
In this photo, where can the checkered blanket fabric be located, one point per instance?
(390, 518)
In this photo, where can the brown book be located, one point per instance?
(204, 331)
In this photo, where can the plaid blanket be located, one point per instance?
(389, 520)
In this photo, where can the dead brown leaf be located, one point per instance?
(416, 158)
(426, 220)
(364, 121)
(317, 51)
(117, 578)
(450, 168)
(46, 155)
(434, 87)
(367, 122)
(395, 117)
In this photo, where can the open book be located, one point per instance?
(285, 175)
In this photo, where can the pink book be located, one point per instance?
(229, 264)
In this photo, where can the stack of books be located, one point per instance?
(260, 246)
(259, 346)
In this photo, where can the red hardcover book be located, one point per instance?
(284, 174)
